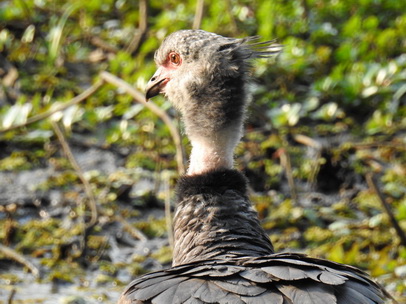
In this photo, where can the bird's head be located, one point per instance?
(195, 64)
(182, 58)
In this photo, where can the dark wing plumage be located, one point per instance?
(276, 279)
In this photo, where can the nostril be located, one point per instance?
(153, 78)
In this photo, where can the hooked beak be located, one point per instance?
(156, 84)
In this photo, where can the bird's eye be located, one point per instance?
(174, 58)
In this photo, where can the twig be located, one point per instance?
(285, 161)
(110, 78)
(97, 41)
(317, 146)
(138, 38)
(11, 296)
(315, 168)
(307, 141)
(12, 254)
(197, 22)
(130, 229)
(101, 250)
(373, 185)
(89, 193)
(85, 94)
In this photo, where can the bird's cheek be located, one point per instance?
(168, 75)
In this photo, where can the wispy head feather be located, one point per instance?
(263, 49)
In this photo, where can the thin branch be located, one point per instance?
(85, 94)
(373, 185)
(14, 255)
(130, 229)
(88, 189)
(101, 250)
(315, 163)
(97, 41)
(11, 296)
(286, 163)
(139, 97)
(139, 36)
(197, 22)
(307, 141)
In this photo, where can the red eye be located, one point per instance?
(174, 58)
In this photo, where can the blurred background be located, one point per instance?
(87, 169)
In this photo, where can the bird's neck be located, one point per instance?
(215, 152)
(213, 114)
(214, 219)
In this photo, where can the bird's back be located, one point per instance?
(222, 255)
(273, 279)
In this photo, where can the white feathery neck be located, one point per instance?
(214, 153)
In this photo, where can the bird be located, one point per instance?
(221, 253)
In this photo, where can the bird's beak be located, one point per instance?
(156, 84)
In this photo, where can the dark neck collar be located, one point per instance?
(215, 219)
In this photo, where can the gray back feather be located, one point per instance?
(273, 279)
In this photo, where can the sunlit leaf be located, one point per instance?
(16, 115)
(71, 115)
(55, 35)
(133, 111)
(28, 35)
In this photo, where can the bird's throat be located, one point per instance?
(214, 153)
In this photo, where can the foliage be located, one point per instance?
(330, 110)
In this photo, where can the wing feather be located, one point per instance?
(151, 291)
(210, 293)
(287, 273)
(257, 275)
(267, 297)
(240, 286)
(309, 294)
